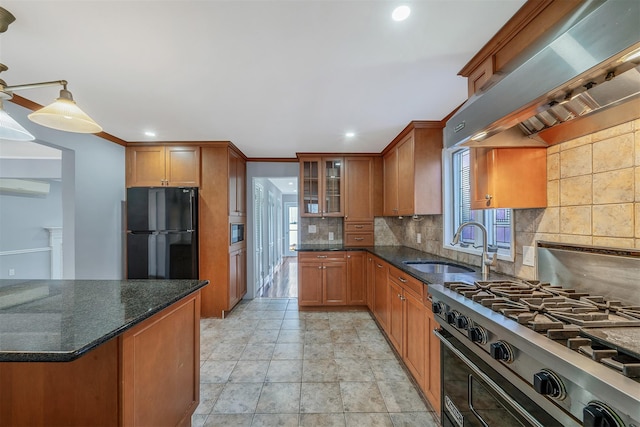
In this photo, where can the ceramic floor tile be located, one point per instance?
(354, 370)
(197, 420)
(291, 336)
(227, 352)
(362, 397)
(238, 398)
(279, 398)
(315, 324)
(273, 314)
(349, 350)
(401, 397)
(264, 336)
(229, 420)
(285, 351)
(320, 398)
(249, 371)
(269, 324)
(298, 324)
(275, 420)
(258, 351)
(413, 419)
(368, 419)
(324, 420)
(317, 336)
(216, 371)
(387, 370)
(319, 370)
(344, 335)
(284, 371)
(318, 351)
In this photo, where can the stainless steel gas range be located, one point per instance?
(563, 350)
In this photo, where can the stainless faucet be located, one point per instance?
(487, 260)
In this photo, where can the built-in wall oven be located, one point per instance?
(475, 395)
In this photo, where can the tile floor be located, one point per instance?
(267, 364)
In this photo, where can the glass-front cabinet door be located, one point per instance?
(310, 187)
(321, 187)
(333, 184)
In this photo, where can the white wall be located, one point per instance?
(261, 170)
(93, 179)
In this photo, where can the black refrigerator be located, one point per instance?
(162, 233)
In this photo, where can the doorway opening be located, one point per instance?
(275, 237)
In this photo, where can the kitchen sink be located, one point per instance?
(438, 267)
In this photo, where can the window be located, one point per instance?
(498, 222)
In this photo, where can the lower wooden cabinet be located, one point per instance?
(237, 275)
(431, 382)
(381, 293)
(357, 278)
(402, 307)
(322, 278)
(147, 376)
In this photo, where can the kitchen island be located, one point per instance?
(92, 352)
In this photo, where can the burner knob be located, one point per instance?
(502, 351)
(548, 383)
(438, 307)
(477, 334)
(597, 414)
(462, 322)
(451, 317)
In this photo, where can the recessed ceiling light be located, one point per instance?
(350, 134)
(400, 13)
(149, 133)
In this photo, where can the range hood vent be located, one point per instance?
(579, 70)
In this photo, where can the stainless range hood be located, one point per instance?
(579, 69)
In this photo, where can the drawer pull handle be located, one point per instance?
(402, 279)
(378, 265)
(322, 256)
(359, 226)
(358, 238)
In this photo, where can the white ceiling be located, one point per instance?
(274, 77)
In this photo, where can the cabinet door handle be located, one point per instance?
(378, 265)
(399, 296)
(319, 267)
(403, 280)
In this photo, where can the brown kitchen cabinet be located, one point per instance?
(237, 275)
(508, 177)
(147, 375)
(221, 194)
(322, 278)
(363, 201)
(381, 293)
(412, 171)
(237, 184)
(431, 382)
(321, 186)
(163, 166)
(356, 278)
(371, 271)
(406, 320)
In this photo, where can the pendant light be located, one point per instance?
(10, 129)
(65, 115)
(62, 115)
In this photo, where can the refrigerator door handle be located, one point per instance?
(191, 196)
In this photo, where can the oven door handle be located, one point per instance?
(487, 380)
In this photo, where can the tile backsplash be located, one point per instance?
(593, 198)
(323, 226)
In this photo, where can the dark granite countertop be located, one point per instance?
(395, 255)
(60, 320)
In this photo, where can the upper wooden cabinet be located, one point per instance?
(412, 171)
(362, 177)
(508, 177)
(237, 185)
(533, 19)
(163, 166)
(321, 186)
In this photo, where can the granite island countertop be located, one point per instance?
(60, 320)
(395, 255)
